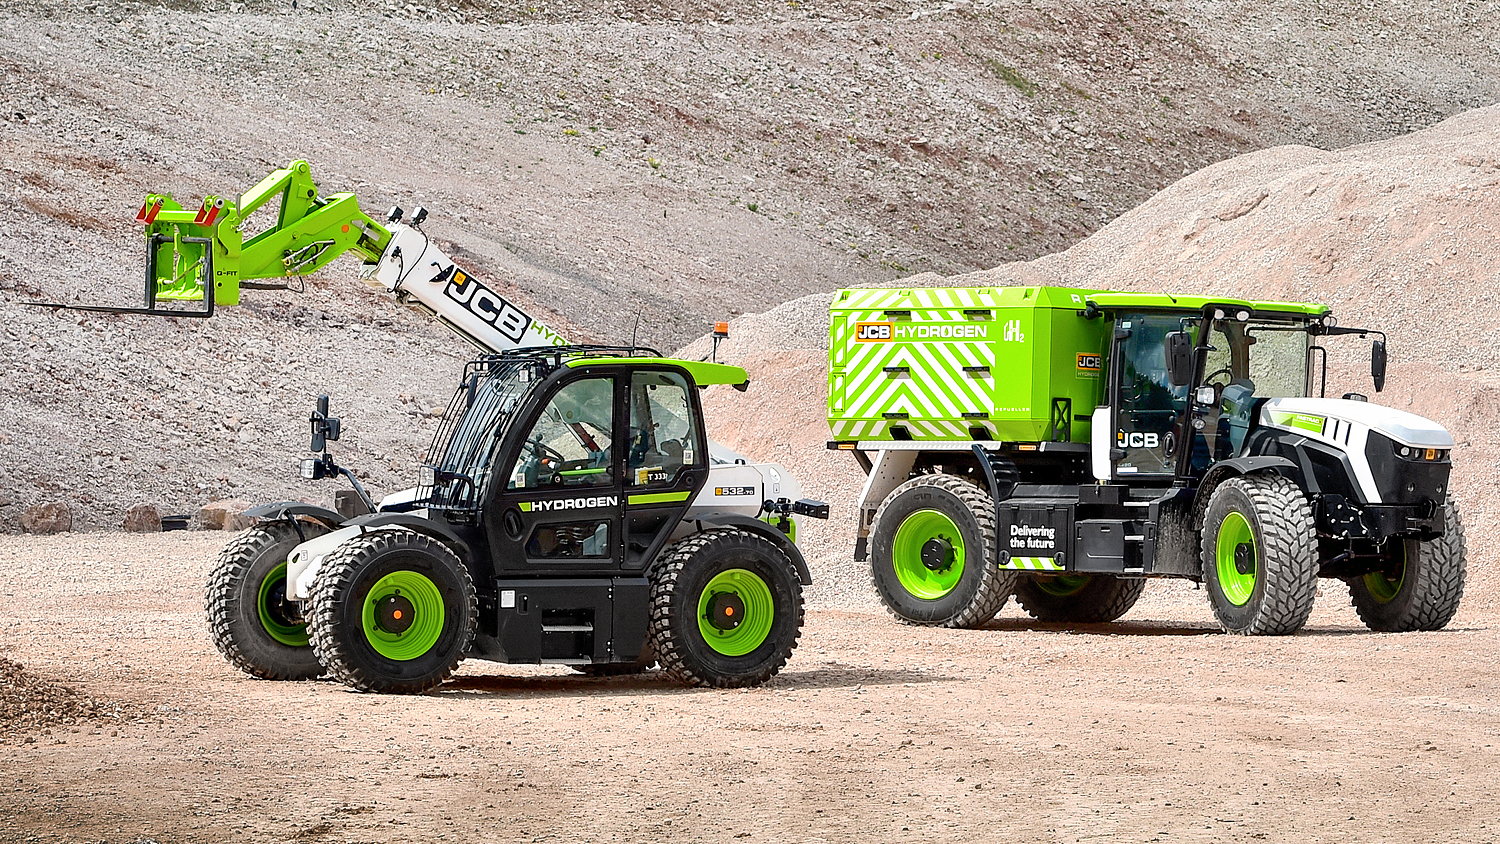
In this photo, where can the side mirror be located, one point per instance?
(324, 428)
(1377, 364)
(1178, 348)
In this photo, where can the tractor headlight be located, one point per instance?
(309, 468)
(427, 476)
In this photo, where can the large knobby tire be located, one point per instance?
(392, 611)
(726, 609)
(1260, 555)
(1078, 598)
(252, 623)
(1421, 587)
(933, 556)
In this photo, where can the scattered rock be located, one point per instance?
(143, 518)
(53, 517)
(228, 514)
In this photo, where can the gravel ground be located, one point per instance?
(1155, 728)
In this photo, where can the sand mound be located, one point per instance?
(1401, 235)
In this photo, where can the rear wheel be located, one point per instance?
(1260, 555)
(1419, 587)
(1081, 598)
(250, 619)
(726, 609)
(392, 611)
(933, 555)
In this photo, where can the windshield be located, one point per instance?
(472, 426)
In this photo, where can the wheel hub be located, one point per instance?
(937, 554)
(395, 614)
(1244, 558)
(725, 611)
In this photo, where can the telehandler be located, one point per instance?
(1062, 445)
(572, 509)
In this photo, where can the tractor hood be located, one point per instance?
(1337, 420)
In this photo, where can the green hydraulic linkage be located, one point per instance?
(187, 251)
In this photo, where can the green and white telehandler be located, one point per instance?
(1062, 445)
(572, 509)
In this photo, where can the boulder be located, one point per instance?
(227, 514)
(143, 518)
(52, 517)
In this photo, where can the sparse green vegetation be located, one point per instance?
(1012, 77)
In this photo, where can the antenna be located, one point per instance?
(635, 328)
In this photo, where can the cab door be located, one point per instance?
(563, 504)
(666, 459)
(1147, 407)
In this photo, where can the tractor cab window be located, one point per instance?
(663, 429)
(1149, 404)
(570, 443)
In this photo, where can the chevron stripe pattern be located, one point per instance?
(1031, 564)
(928, 383)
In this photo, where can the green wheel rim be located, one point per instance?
(938, 574)
(1063, 585)
(1382, 586)
(397, 641)
(271, 606)
(736, 592)
(1235, 585)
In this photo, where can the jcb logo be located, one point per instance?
(1138, 439)
(488, 305)
(872, 332)
(1089, 362)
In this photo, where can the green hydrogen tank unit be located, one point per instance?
(1062, 445)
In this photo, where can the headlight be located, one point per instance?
(427, 476)
(310, 468)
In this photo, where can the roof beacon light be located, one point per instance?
(721, 332)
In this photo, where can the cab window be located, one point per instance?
(663, 429)
(570, 443)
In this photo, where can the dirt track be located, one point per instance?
(1156, 729)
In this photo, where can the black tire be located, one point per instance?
(686, 599)
(982, 587)
(1280, 556)
(416, 639)
(1078, 598)
(273, 644)
(645, 662)
(1419, 591)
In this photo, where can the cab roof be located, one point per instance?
(704, 373)
(1163, 301)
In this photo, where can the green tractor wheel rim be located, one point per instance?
(271, 604)
(1236, 539)
(1382, 586)
(403, 615)
(928, 554)
(1063, 585)
(735, 612)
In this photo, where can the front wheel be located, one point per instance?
(392, 611)
(1260, 555)
(726, 609)
(250, 619)
(933, 555)
(1419, 587)
(1078, 598)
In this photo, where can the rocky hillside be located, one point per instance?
(673, 162)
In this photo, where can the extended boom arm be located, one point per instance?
(188, 252)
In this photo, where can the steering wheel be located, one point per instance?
(1225, 371)
(544, 451)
